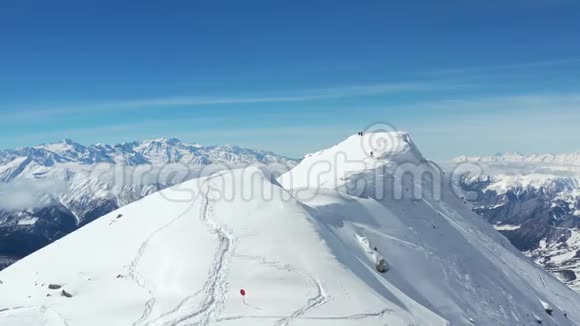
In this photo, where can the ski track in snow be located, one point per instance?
(347, 317)
(542, 279)
(138, 279)
(8, 310)
(215, 287)
(312, 303)
(318, 300)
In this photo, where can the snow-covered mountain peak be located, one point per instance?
(67, 141)
(161, 142)
(339, 165)
(229, 147)
(238, 248)
(171, 140)
(377, 145)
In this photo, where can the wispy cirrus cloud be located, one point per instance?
(170, 102)
(295, 96)
(501, 68)
(445, 79)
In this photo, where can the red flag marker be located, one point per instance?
(243, 292)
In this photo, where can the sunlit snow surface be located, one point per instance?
(300, 251)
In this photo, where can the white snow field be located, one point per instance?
(305, 253)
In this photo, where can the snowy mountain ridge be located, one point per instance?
(153, 152)
(535, 202)
(49, 190)
(294, 252)
(572, 159)
(501, 183)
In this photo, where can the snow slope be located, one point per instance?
(305, 255)
(439, 250)
(182, 261)
(49, 190)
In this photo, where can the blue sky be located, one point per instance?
(463, 77)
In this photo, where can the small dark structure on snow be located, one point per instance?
(54, 286)
(382, 266)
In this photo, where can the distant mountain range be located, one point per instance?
(570, 159)
(535, 202)
(48, 191)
